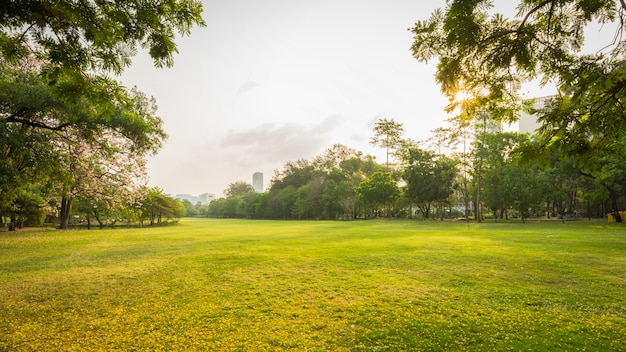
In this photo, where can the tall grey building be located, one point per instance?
(257, 182)
(528, 122)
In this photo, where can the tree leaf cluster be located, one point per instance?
(489, 57)
(66, 127)
(86, 147)
(95, 35)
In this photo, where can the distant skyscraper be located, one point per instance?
(257, 182)
(206, 198)
(528, 122)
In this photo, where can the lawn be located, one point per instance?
(236, 285)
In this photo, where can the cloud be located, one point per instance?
(246, 87)
(271, 143)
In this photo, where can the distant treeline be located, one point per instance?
(344, 184)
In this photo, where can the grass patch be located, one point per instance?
(231, 285)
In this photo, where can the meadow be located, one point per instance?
(239, 285)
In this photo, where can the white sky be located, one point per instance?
(271, 81)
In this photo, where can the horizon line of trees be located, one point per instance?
(144, 207)
(493, 178)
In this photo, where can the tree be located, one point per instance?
(283, 202)
(494, 151)
(238, 188)
(605, 169)
(82, 140)
(103, 174)
(388, 135)
(28, 101)
(346, 197)
(295, 173)
(28, 206)
(429, 179)
(157, 206)
(334, 156)
(525, 187)
(379, 190)
(53, 56)
(490, 56)
(28, 156)
(191, 209)
(26, 166)
(309, 198)
(91, 36)
(255, 205)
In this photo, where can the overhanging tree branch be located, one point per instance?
(36, 124)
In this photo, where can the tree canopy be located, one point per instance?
(489, 56)
(238, 188)
(387, 135)
(83, 147)
(95, 35)
(429, 178)
(68, 130)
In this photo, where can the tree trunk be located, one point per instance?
(441, 211)
(66, 208)
(12, 222)
(97, 215)
(614, 207)
(424, 210)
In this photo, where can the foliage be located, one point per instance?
(191, 209)
(489, 56)
(334, 156)
(295, 173)
(226, 207)
(27, 157)
(86, 148)
(95, 36)
(346, 197)
(238, 188)
(505, 183)
(388, 135)
(328, 186)
(284, 202)
(224, 285)
(28, 101)
(28, 207)
(429, 179)
(64, 124)
(379, 190)
(157, 207)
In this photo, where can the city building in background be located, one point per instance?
(204, 198)
(257, 182)
(528, 122)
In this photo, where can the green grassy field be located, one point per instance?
(231, 285)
